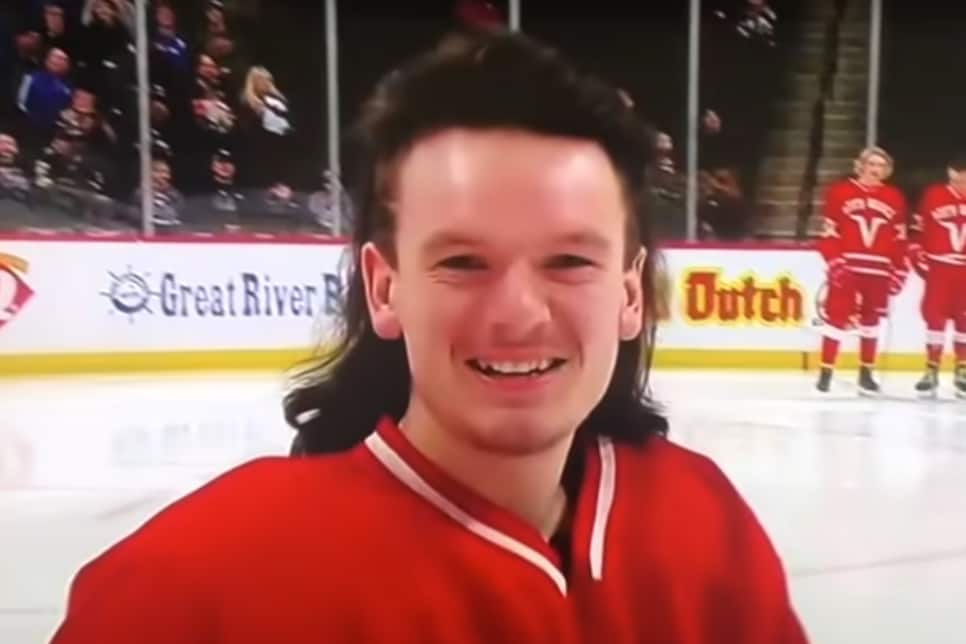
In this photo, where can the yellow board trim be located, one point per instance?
(783, 360)
(283, 359)
(150, 361)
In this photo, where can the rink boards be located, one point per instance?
(95, 304)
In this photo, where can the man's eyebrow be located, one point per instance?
(446, 238)
(587, 238)
(452, 238)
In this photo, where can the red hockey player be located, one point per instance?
(478, 461)
(938, 253)
(863, 244)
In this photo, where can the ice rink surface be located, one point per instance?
(864, 499)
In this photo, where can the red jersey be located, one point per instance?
(939, 225)
(865, 227)
(379, 545)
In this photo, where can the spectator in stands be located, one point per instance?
(46, 93)
(7, 66)
(758, 22)
(13, 178)
(210, 105)
(84, 116)
(225, 46)
(226, 198)
(723, 212)
(160, 116)
(213, 125)
(168, 201)
(215, 22)
(266, 130)
(104, 40)
(169, 50)
(715, 144)
(478, 15)
(665, 180)
(322, 205)
(55, 33)
(71, 178)
(667, 187)
(28, 48)
(123, 9)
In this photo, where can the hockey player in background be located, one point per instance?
(937, 251)
(863, 244)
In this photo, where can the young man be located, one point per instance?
(480, 462)
(938, 254)
(864, 247)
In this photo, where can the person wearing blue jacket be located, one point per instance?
(47, 92)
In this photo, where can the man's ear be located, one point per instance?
(379, 279)
(632, 308)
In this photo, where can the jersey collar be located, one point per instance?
(404, 462)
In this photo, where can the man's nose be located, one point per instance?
(517, 305)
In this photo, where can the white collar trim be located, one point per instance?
(604, 502)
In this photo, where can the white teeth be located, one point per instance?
(518, 367)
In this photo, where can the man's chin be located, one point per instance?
(518, 436)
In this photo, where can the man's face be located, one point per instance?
(216, 20)
(84, 105)
(160, 175)
(711, 122)
(219, 47)
(165, 18)
(223, 168)
(664, 144)
(159, 113)
(57, 63)
(958, 179)
(54, 19)
(104, 12)
(8, 147)
(873, 170)
(510, 258)
(207, 68)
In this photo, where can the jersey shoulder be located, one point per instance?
(935, 193)
(702, 512)
(691, 477)
(895, 194)
(248, 502)
(839, 189)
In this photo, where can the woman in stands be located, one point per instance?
(266, 127)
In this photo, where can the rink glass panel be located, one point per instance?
(641, 48)
(921, 101)
(247, 136)
(222, 161)
(769, 114)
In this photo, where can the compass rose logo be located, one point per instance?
(129, 293)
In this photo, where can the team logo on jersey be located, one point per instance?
(957, 234)
(868, 228)
(746, 301)
(14, 290)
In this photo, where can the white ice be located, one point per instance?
(864, 499)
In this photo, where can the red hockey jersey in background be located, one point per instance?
(865, 227)
(379, 545)
(938, 230)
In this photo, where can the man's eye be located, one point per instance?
(462, 263)
(569, 261)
